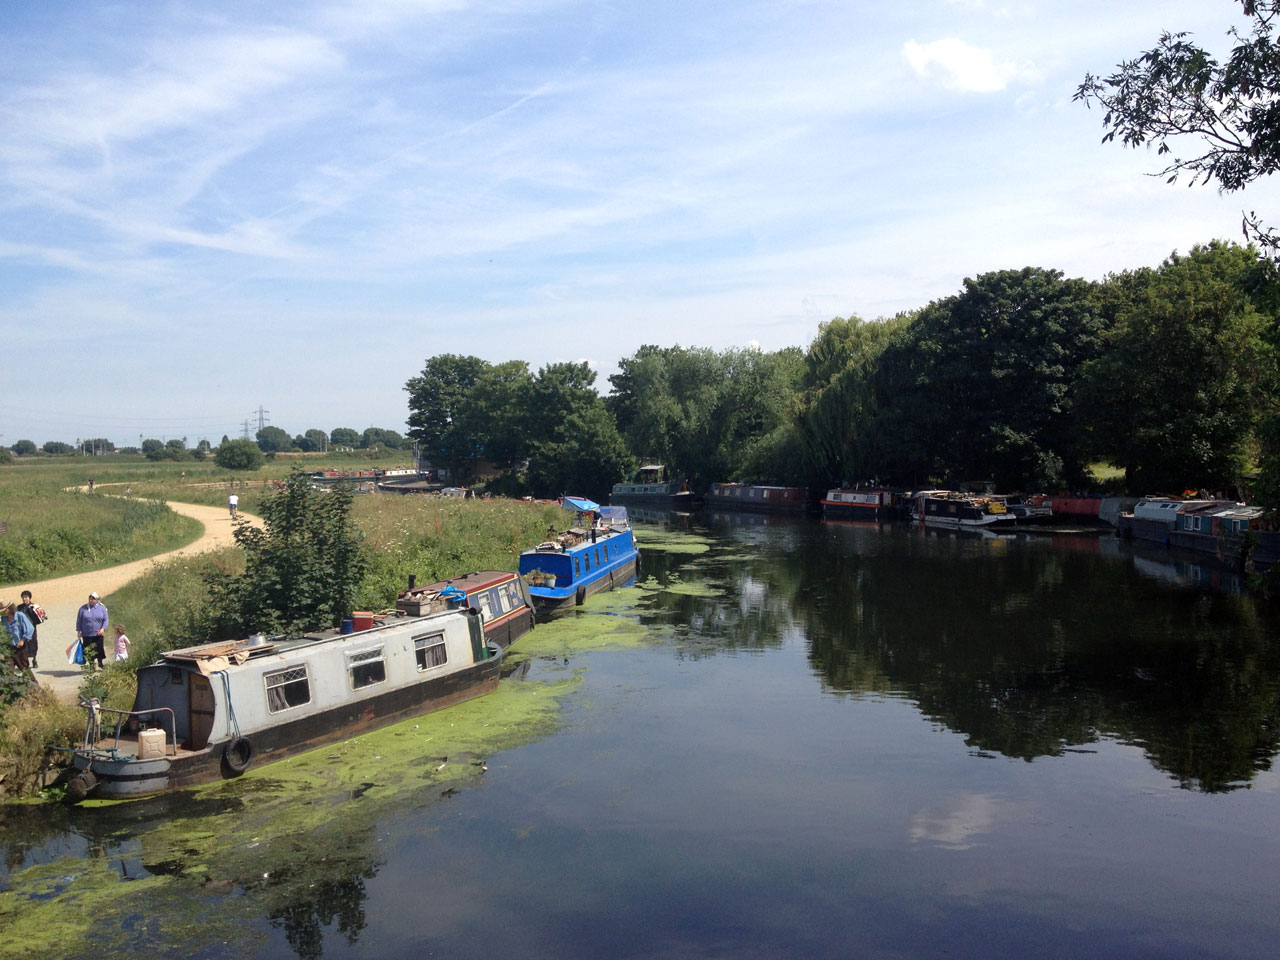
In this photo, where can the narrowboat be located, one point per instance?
(1153, 518)
(867, 505)
(597, 553)
(502, 597)
(210, 711)
(942, 508)
(650, 487)
(763, 498)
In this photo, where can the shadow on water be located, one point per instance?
(1026, 646)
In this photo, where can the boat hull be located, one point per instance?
(131, 777)
(548, 600)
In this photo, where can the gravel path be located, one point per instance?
(62, 597)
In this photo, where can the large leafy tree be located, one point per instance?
(240, 454)
(272, 439)
(574, 444)
(1224, 113)
(707, 415)
(500, 413)
(981, 386)
(1174, 397)
(838, 400)
(438, 398)
(302, 567)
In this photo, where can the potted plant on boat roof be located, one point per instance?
(539, 578)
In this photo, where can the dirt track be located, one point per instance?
(62, 597)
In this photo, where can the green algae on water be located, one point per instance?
(670, 541)
(280, 832)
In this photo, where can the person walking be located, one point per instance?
(91, 626)
(20, 630)
(122, 643)
(35, 613)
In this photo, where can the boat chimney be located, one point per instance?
(413, 578)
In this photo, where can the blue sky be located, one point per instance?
(207, 207)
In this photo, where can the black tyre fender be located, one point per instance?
(81, 785)
(237, 755)
(580, 596)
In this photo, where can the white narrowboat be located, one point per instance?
(211, 711)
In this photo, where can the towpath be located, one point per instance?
(62, 597)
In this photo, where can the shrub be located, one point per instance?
(239, 455)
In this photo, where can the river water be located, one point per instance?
(793, 738)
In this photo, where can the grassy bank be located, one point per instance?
(430, 538)
(49, 532)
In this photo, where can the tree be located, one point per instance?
(438, 401)
(153, 449)
(238, 455)
(57, 447)
(702, 413)
(272, 439)
(837, 440)
(23, 448)
(378, 437)
(584, 457)
(175, 449)
(317, 440)
(982, 385)
(1230, 109)
(344, 437)
(302, 567)
(1173, 396)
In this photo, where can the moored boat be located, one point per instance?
(597, 553)
(651, 487)
(943, 508)
(867, 504)
(209, 711)
(501, 597)
(764, 498)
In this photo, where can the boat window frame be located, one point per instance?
(368, 657)
(420, 648)
(304, 679)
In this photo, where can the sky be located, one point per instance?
(207, 209)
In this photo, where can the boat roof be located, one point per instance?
(210, 657)
(476, 580)
(581, 504)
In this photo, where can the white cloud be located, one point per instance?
(958, 65)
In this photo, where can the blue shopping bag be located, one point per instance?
(79, 654)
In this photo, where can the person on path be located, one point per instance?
(91, 625)
(122, 644)
(20, 630)
(36, 615)
(232, 503)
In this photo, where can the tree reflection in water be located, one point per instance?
(1026, 647)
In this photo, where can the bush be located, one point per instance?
(239, 455)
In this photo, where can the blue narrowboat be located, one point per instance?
(597, 553)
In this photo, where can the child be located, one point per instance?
(122, 643)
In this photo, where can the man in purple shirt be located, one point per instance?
(91, 625)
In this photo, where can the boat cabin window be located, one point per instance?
(512, 594)
(175, 675)
(577, 568)
(597, 556)
(287, 688)
(484, 602)
(430, 651)
(366, 668)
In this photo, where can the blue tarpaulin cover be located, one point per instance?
(580, 504)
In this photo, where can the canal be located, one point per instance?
(792, 738)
